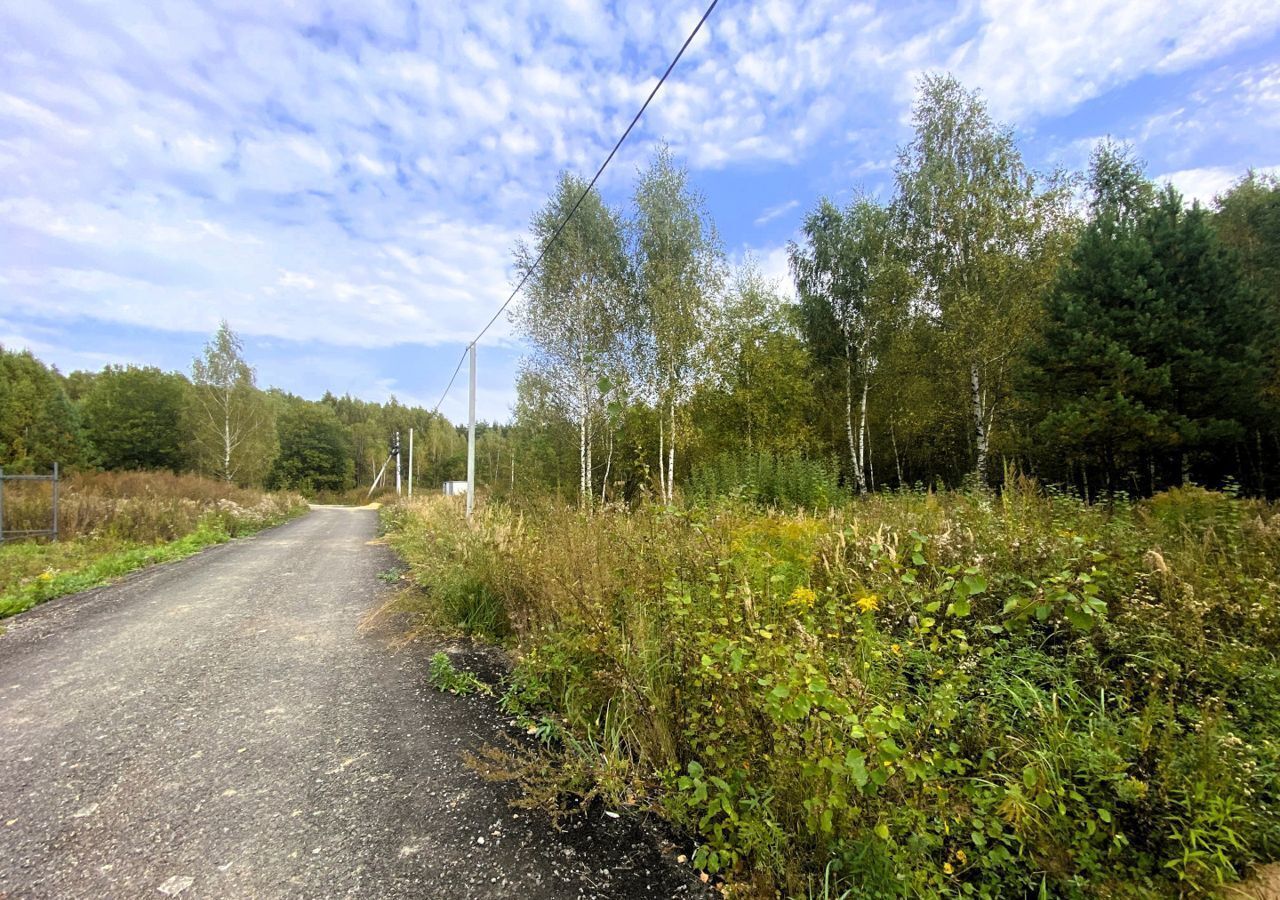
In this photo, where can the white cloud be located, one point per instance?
(774, 212)
(1047, 58)
(358, 173)
(1207, 182)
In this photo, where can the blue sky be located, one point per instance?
(344, 182)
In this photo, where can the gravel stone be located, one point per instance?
(222, 727)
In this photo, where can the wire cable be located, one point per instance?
(600, 171)
(452, 378)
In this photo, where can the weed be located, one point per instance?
(113, 523)
(444, 676)
(914, 695)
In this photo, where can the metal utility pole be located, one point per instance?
(471, 438)
(396, 451)
(410, 462)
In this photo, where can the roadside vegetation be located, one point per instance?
(901, 585)
(111, 523)
(915, 694)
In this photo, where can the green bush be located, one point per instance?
(915, 695)
(769, 479)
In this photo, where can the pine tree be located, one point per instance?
(1145, 368)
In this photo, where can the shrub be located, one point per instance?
(915, 695)
(769, 479)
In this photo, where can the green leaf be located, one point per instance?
(1079, 618)
(856, 762)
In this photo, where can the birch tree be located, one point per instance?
(233, 427)
(854, 289)
(576, 311)
(679, 269)
(985, 234)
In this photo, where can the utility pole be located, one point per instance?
(411, 463)
(471, 437)
(396, 451)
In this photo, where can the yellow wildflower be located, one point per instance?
(46, 576)
(960, 855)
(896, 648)
(869, 603)
(946, 867)
(803, 596)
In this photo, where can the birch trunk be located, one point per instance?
(608, 464)
(671, 456)
(897, 460)
(583, 496)
(854, 455)
(662, 468)
(862, 439)
(226, 436)
(980, 423)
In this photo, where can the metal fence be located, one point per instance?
(52, 530)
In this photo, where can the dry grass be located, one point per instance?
(135, 506)
(112, 522)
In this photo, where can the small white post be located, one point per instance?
(411, 462)
(397, 453)
(471, 438)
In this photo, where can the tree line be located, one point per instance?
(1091, 329)
(215, 421)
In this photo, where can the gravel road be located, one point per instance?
(220, 727)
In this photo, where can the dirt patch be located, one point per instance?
(1263, 884)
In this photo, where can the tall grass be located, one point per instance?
(769, 479)
(913, 695)
(110, 523)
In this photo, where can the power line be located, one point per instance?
(452, 378)
(600, 171)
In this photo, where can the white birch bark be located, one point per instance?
(863, 453)
(980, 423)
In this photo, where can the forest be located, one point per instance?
(1092, 330)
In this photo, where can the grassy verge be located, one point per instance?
(116, 524)
(917, 695)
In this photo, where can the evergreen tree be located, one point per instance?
(1144, 369)
(1248, 223)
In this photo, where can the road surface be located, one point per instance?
(220, 728)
